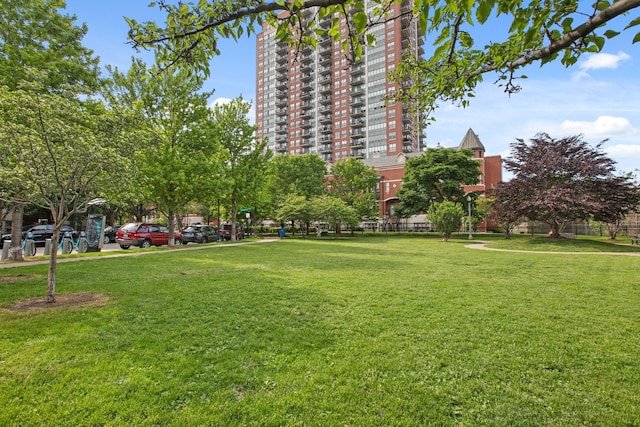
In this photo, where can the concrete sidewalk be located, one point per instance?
(130, 252)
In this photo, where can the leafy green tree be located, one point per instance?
(243, 159)
(355, 183)
(534, 33)
(174, 159)
(436, 175)
(446, 216)
(40, 44)
(61, 150)
(334, 211)
(41, 50)
(295, 209)
(303, 175)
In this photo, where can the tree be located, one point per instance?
(295, 208)
(504, 207)
(446, 216)
(355, 183)
(560, 180)
(303, 175)
(41, 50)
(38, 43)
(534, 33)
(620, 197)
(436, 175)
(174, 158)
(61, 151)
(334, 211)
(243, 159)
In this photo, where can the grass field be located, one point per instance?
(372, 331)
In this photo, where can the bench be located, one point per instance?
(568, 235)
(635, 240)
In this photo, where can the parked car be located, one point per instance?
(198, 233)
(42, 232)
(225, 232)
(145, 235)
(110, 233)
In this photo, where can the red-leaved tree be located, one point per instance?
(557, 181)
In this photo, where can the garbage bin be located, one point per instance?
(282, 232)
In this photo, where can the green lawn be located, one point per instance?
(372, 331)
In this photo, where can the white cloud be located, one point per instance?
(599, 61)
(603, 126)
(603, 60)
(627, 157)
(252, 112)
(219, 101)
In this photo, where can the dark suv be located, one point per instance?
(198, 233)
(225, 232)
(42, 232)
(145, 235)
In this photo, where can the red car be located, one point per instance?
(145, 235)
(225, 232)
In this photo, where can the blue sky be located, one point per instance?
(599, 97)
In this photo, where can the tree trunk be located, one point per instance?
(15, 253)
(554, 232)
(172, 226)
(234, 214)
(53, 259)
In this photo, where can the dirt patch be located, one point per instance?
(76, 300)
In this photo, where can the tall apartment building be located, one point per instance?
(316, 101)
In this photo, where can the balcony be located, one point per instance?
(358, 154)
(307, 124)
(281, 148)
(357, 69)
(325, 118)
(282, 57)
(325, 99)
(357, 112)
(325, 138)
(357, 100)
(324, 70)
(357, 133)
(357, 90)
(307, 77)
(325, 89)
(325, 148)
(325, 58)
(357, 122)
(356, 143)
(308, 142)
(325, 129)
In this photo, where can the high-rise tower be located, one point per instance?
(316, 101)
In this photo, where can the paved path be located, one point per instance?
(483, 246)
(132, 252)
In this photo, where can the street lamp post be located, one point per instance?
(469, 199)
